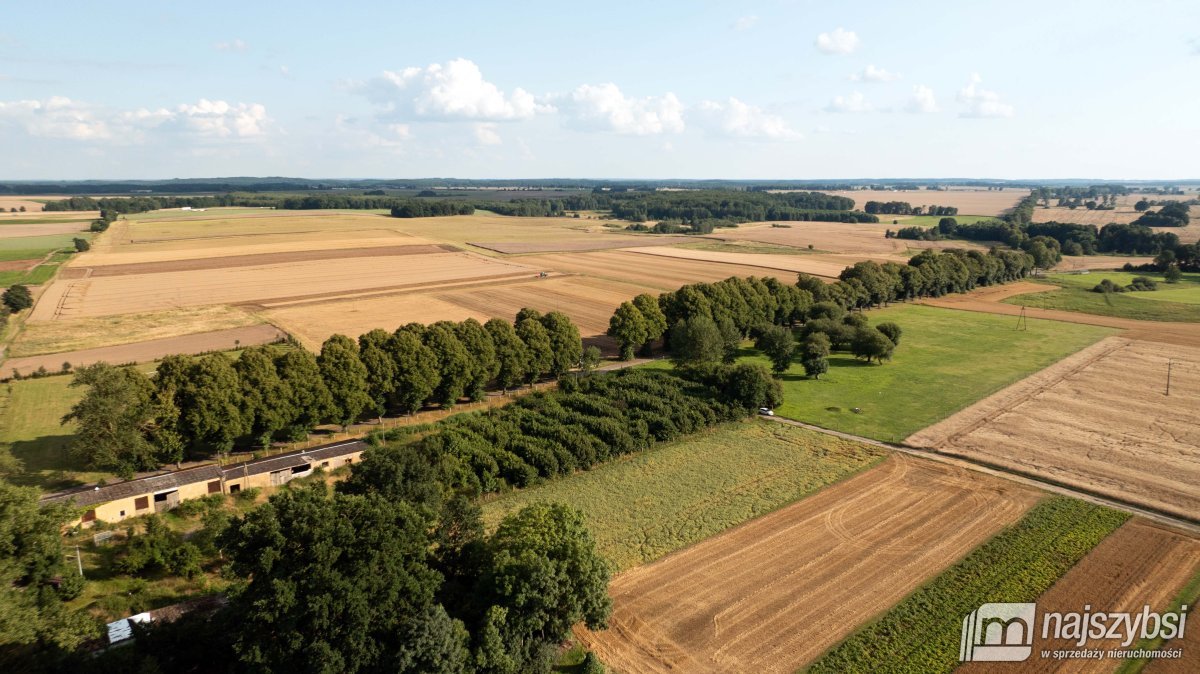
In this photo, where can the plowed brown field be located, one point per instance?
(774, 593)
(1097, 420)
(1138, 565)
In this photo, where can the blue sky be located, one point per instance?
(778, 89)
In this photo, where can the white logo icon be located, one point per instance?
(998, 633)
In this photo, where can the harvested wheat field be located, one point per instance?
(776, 592)
(862, 239)
(570, 246)
(1075, 262)
(1140, 564)
(967, 201)
(1123, 213)
(810, 264)
(261, 284)
(1097, 421)
(8, 231)
(589, 302)
(31, 203)
(654, 273)
(145, 351)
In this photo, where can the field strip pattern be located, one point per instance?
(786, 263)
(1139, 564)
(774, 593)
(253, 260)
(167, 290)
(1062, 424)
(142, 352)
(662, 274)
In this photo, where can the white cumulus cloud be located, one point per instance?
(873, 74)
(922, 100)
(605, 107)
(737, 119)
(455, 90)
(60, 117)
(839, 41)
(979, 102)
(56, 117)
(855, 102)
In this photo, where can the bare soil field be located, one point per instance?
(1098, 421)
(1139, 564)
(967, 201)
(112, 295)
(774, 593)
(141, 352)
(816, 265)
(858, 239)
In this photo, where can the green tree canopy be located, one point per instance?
(869, 343)
(482, 351)
(35, 577)
(416, 371)
(630, 328)
(565, 344)
(308, 399)
(815, 354)
(538, 349)
(17, 298)
(338, 584)
(212, 404)
(346, 378)
(696, 340)
(116, 420)
(777, 343)
(656, 320)
(381, 369)
(454, 363)
(512, 357)
(264, 397)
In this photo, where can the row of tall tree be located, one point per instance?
(197, 406)
(905, 208)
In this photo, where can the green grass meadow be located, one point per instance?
(649, 504)
(947, 359)
(1171, 302)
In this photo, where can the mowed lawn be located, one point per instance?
(946, 360)
(647, 505)
(1171, 302)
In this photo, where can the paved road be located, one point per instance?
(1192, 526)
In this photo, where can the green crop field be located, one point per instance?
(921, 633)
(1171, 302)
(40, 274)
(652, 503)
(946, 360)
(34, 247)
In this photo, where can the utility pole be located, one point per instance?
(1169, 363)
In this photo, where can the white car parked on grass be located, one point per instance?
(766, 411)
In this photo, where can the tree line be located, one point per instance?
(198, 406)
(905, 208)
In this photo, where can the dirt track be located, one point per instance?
(1139, 564)
(1097, 420)
(142, 352)
(774, 593)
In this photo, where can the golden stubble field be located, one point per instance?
(774, 593)
(1099, 420)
